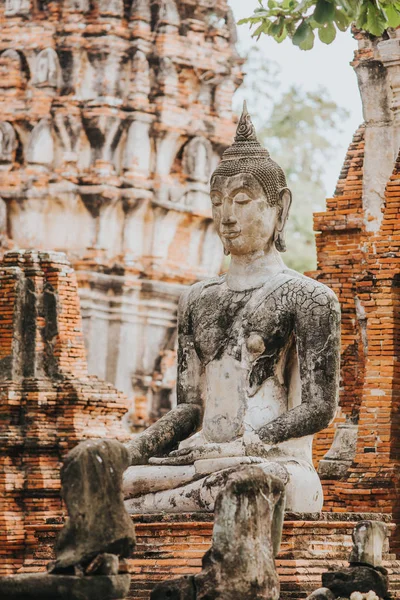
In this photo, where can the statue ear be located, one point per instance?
(285, 201)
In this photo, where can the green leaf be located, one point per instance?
(342, 20)
(327, 33)
(308, 43)
(282, 36)
(301, 33)
(277, 27)
(393, 15)
(263, 28)
(324, 11)
(376, 21)
(350, 8)
(251, 20)
(291, 27)
(362, 16)
(272, 4)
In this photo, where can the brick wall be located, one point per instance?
(48, 402)
(170, 546)
(358, 246)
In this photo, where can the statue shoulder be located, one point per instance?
(309, 294)
(192, 293)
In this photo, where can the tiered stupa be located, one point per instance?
(114, 114)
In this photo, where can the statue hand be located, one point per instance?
(187, 456)
(254, 444)
(264, 433)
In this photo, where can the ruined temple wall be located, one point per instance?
(114, 115)
(358, 248)
(48, 402)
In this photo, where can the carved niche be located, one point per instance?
(137, 155)
(47, 69)
(40, 148)
(197, 159)
(77, 5)
(168, 77)
(140, 86)
(104, 133)
(114, 8)
(8, 142)
(17, 8)
(140, 10)
(13, 71)
(68, 128)
(168, 13)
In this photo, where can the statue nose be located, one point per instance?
(228, 216)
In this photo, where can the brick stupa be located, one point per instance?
(358, 257)
(48, 402)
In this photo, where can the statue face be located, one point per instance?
(244, 220)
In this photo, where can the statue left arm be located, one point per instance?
(317, 331)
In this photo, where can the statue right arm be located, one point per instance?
(177, 425)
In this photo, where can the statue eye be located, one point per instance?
(242, 198)
(216, 199)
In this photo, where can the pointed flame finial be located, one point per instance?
(245, 131)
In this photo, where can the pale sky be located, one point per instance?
(324, 65)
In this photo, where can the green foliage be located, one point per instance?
(298, 128)
(298, 20)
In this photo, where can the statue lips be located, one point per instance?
(231, 234)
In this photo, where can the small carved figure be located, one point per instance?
(368, 540)
(365, 578)
(258, 356)
(8, 142)
(47, 71)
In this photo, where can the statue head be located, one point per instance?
(250, 198)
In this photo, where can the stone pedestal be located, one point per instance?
(170, 546)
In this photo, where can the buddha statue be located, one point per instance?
(258, 357)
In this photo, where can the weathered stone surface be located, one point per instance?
(357, 579)
(176, 589)
(338, 459)
(368, 540)
(42, 586)
(98, 523)
(246, 538)
(103, 564)
(258, 354)
(322, 594)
